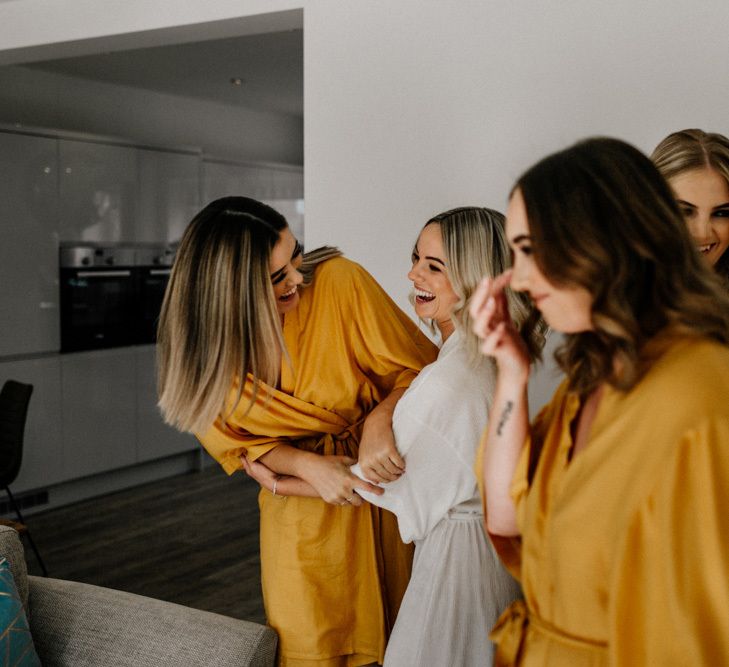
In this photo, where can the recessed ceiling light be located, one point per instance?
(236, 81)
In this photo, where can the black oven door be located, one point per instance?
(98, 308)
(152, 286)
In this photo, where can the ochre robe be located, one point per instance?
(332, 576)
(624, 550)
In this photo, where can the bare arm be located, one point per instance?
(378, 456)
(314, 475)
(508, 425)
(282, 485)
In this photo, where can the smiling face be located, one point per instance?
(703, 197)
(286, 258)
(566, 309)
(434, 295)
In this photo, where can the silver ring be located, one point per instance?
(350, 499)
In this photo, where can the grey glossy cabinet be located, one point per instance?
(29, 315)
(98, 192)
(43, 445)
(99, 411)
(155, 439)
(169, 194)
(279, 186)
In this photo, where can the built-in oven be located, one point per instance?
(154, 264)
(111, 295)
(98, 297)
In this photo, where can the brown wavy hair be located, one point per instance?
(691, 149)
(603, 218)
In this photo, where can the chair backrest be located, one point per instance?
(14, 399)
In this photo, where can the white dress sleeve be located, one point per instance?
(437, 427)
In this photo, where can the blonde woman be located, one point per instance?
(271, 356)
(458, 587)
(611, 508)
(696, 165)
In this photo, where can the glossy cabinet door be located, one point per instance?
(155, 439)
(98, 192)
(280, 187)
(42, 463)
(169, 194)
(99, 411)
(226, 179)
(29, 315)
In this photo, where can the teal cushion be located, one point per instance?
(16, 644)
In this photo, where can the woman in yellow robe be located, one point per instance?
(612, 508)
(333, 573)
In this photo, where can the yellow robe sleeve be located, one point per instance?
(671, 587)
(227, 444)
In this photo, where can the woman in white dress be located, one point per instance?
(458, 587)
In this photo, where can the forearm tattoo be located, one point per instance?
(504, 416)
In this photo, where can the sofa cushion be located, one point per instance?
(16, 644)
(12, 550)
(80, 625)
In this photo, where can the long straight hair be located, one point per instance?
(475, 246)
(692, 149)
(603, 218)
(219, 320)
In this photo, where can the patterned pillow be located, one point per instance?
(16, 644)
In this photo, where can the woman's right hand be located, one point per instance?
(492, 323)
(333, 481)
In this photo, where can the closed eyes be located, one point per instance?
(278, 276)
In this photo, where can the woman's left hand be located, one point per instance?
(262, 474)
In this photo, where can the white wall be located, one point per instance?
(33, 97)
(415, 106)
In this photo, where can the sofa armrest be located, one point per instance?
(80, 625)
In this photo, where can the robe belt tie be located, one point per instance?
(511, 628)
(345, 443)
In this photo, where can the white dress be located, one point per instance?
(458, 586)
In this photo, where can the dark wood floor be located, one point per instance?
(191, 539)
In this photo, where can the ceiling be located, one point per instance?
(269, 66)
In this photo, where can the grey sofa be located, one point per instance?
(79, 625)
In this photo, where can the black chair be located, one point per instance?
(14, 399)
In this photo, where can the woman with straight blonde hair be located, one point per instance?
(458, 587)
(270, 355)
(696, 165)
(611, 507)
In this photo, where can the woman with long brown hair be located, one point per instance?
(611, 507)
(696, 165)
(270, 355)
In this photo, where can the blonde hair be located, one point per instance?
(691, 149)
(219, 320)
(475, 246)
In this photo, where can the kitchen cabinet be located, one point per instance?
(99, 411)
(281, 187)
(169, 194)
(29, 312)
(155, 439)
(98, 192)
(43, 443)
